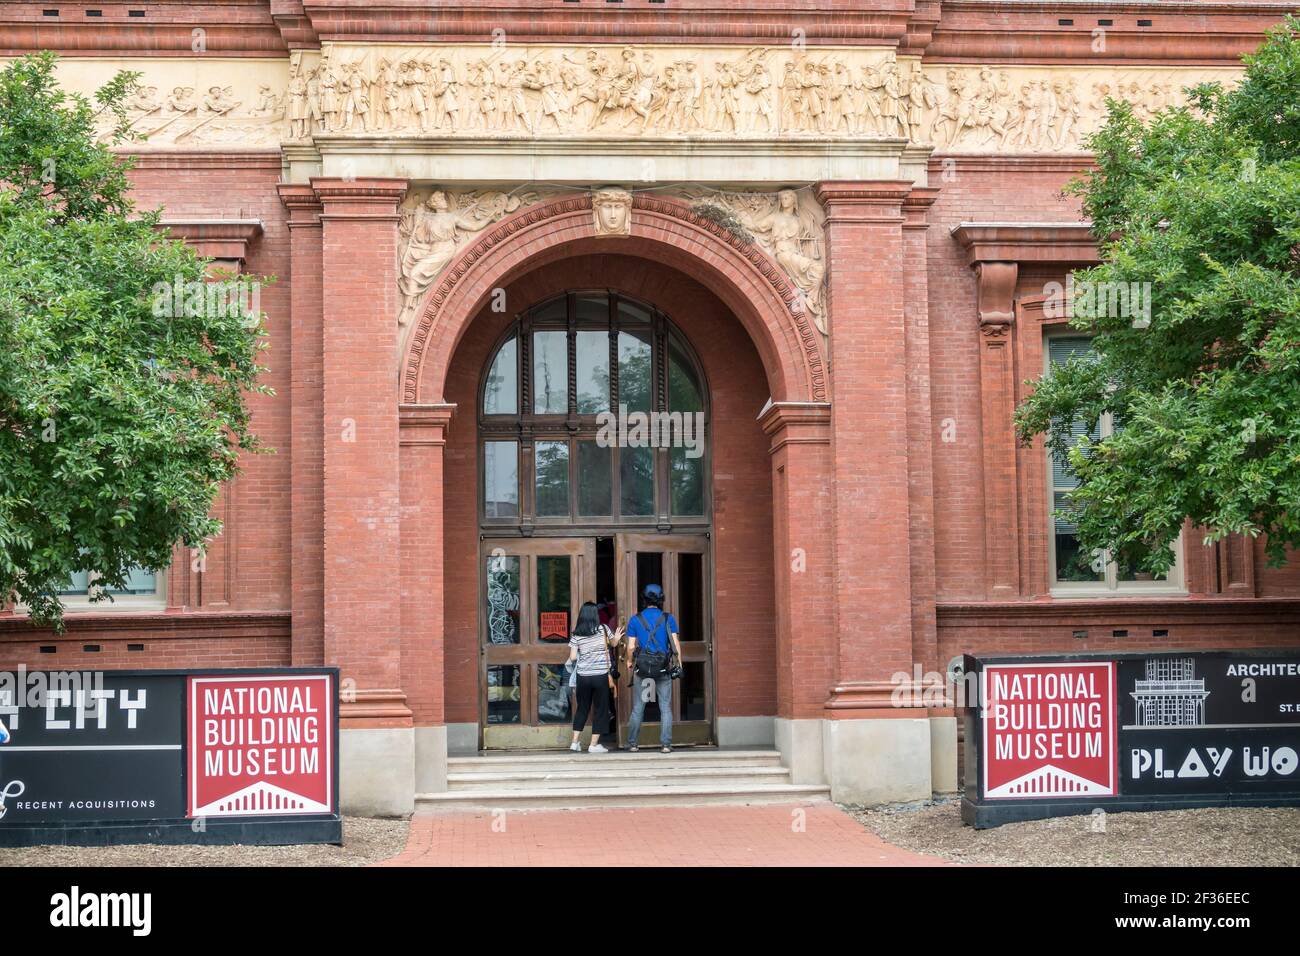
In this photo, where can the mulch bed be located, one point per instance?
(365, 841)
(1246, 836)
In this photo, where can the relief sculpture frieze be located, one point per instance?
(650, 92)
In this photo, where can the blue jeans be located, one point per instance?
(663, 693)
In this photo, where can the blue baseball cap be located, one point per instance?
(653, 591)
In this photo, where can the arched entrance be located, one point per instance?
(594, 482)
(761, 360)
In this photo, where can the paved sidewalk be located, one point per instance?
(806, 834)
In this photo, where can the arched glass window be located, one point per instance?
(592, 412)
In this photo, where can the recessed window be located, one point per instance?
(609, 425)
(1073, 568)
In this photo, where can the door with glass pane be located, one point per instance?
(531, 593)
(680, 564)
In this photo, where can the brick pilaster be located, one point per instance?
(869, 438)
(423, 438)
(361, 490)
(802, 529)
(307, 570)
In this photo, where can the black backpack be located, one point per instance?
(655, 665)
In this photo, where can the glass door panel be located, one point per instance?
(533, 589)
(680, 565)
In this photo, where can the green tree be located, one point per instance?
(1202, 203)
(122, 406)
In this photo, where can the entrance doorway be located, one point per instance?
(569, 515)
(533, 590)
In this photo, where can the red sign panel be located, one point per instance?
(554, 624)
(1049, 730)
(260, 745)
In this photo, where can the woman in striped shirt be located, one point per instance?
(589, 649)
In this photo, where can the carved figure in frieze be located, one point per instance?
(219, 99)
(356, 98)
(414, 100)
(514, 103)
(758, 98)
(383, 95)
(431, 232)
(143, 100)
(791, 100)
(446, 95)
(810, 87)
(299, 110)
(1067, 105)
(839, 99)
(891, 116)
(313, 100)
(268, 103)
(327, 84)
(483, 83)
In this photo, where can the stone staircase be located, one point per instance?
(554, 780)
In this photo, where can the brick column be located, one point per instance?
(423, 437)
(361, 489)
(802, 530)
(307, 531)
(872, 436)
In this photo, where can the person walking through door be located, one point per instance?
(652, 642)
(589, 650)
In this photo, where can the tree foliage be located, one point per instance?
(1203, 203)
(119, 420)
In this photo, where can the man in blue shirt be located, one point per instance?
(655, 631)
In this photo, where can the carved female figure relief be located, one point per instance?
(431, 233)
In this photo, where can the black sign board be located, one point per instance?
(101, 757)
(1145, 731)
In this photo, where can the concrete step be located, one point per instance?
(560, 761)
(592, 775)
(582, 797)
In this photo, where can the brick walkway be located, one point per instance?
(811, 834)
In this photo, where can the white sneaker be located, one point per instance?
(576, 747)
(597, 749)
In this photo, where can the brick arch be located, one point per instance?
(665, 231)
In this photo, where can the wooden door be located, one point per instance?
(680, 564)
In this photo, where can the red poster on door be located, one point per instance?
(260, 745)
(554, 624)
(1049, 730)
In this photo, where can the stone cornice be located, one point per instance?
(1030, 31)
(684, 21)
(1056, 243)
(215, 238)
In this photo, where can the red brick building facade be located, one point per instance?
(830, 228)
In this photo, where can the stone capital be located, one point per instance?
(369, 198)
(424, 424)
(877, 201)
